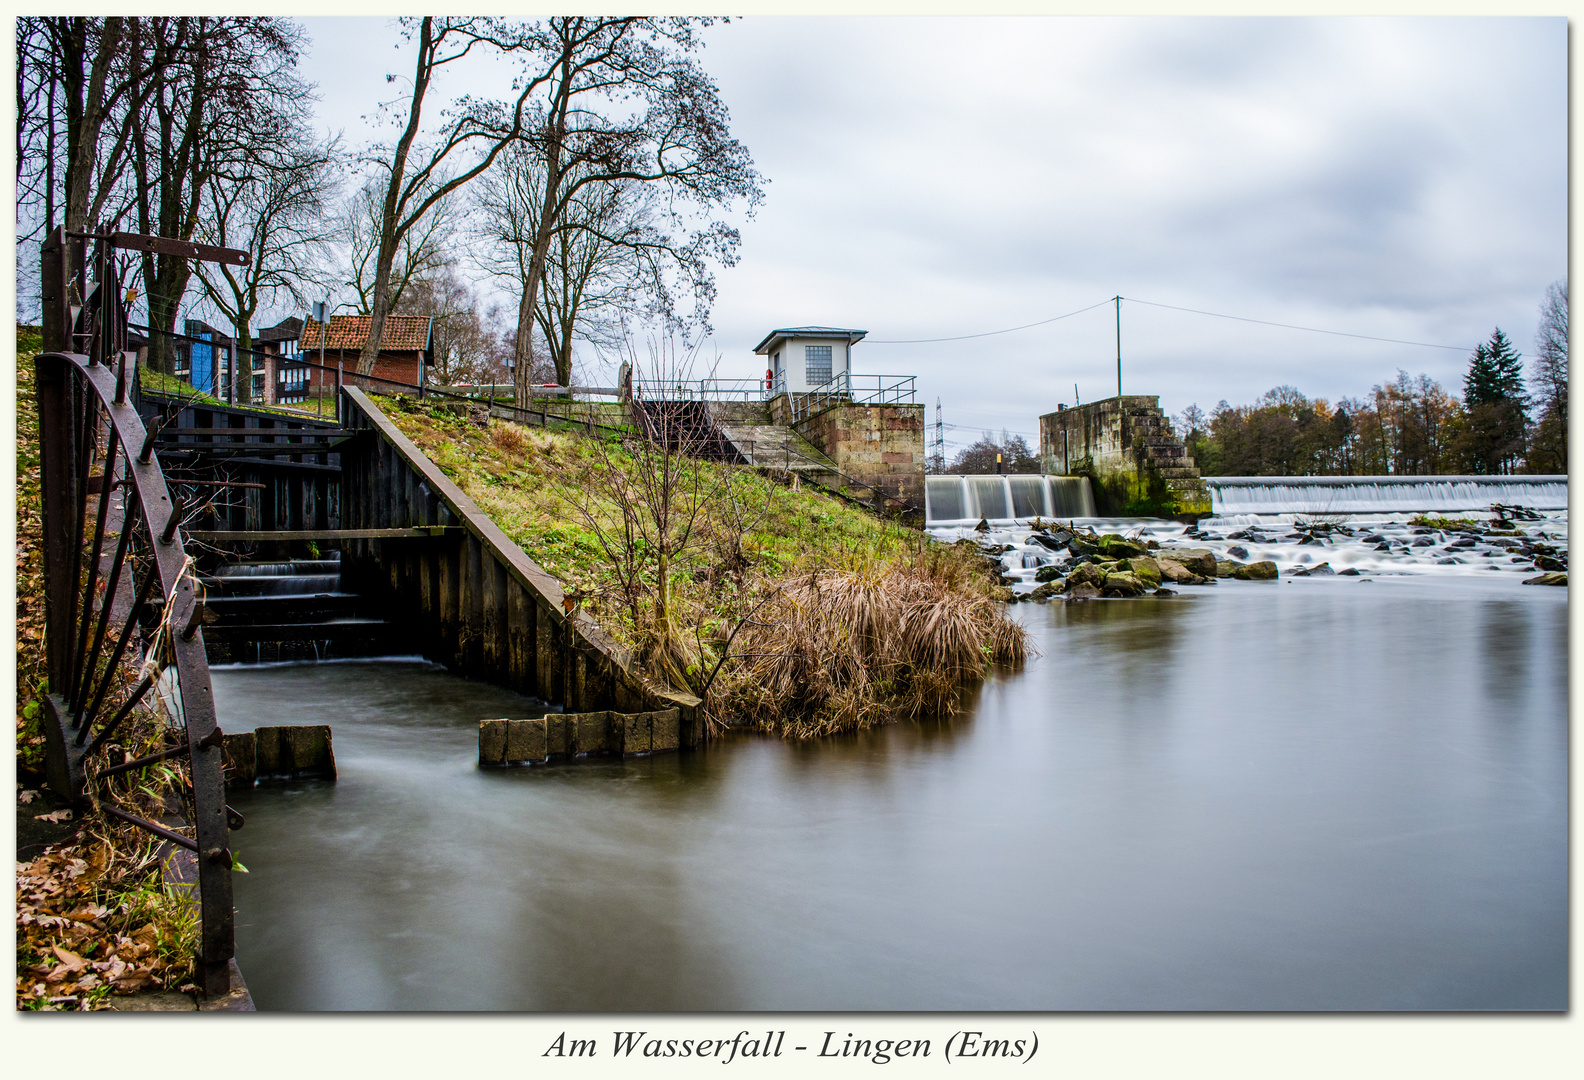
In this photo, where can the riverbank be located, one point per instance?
(784, 608)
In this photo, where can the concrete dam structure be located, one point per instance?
(1003, 499)
(1320, 495)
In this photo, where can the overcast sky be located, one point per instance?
(938, 177)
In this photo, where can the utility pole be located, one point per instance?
(940, 440)
(1119, 343)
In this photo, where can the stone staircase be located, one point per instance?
(766, 445)
(1156, 448)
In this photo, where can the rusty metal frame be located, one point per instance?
(81, 397)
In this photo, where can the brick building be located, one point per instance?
(406, 347)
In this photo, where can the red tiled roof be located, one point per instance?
(403, 333)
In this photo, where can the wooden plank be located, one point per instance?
(473, 606)
(493, 600)
(255, 535)
(519, 638)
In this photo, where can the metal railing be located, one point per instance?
(700, 389)
(849, 389)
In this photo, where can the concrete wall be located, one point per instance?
(1122, 444)
(881, 445)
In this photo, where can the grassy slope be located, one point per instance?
(531, 483)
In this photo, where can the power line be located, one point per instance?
(1290, 326)
(1171, 307)
(990, 333)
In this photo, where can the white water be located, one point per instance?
(964, 500)
(1231, 496)
(1269, 539)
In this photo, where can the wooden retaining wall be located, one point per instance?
(474, 600)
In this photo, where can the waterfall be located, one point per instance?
(1232, 495)
(958, 500)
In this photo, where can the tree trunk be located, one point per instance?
(393, 201)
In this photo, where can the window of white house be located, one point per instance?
(816, 364)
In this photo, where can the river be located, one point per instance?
(1311, 794)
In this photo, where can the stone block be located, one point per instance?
(637, 733)
(241, 759)
(311, 752)
(557, 735)
(492, 742)
(525, 740)
(267, 757)
(593, 732)
(665, 729)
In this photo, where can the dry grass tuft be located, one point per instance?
(842, 650)
(509, 437)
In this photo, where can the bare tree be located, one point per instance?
(1550, 444)
(463, 346)
(421, 251)
(412, 186)
(590, 285)
(214, 91)
(663, 124)
(273, 206)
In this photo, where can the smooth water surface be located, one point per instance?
(1311, 794)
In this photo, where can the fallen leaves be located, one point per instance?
(75, 947)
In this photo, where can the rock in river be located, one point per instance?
(1553, 578)
(1201, 561)
(1265, 570)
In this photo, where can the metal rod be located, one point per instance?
(121, 714)
(138, 763)
(147, 453)
(158, 830)
(105, 488)
(174, 521)
(120, 398)
(112, 583)
(121, 643)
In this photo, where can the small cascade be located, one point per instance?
(956, 500)
(1232, 496)
(285, 611)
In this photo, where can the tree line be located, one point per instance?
(1408, 426)
(590, 189)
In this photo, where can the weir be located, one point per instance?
(1002, 499)
(1321, 495)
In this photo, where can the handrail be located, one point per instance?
(845, 388)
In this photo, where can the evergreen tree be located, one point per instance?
(1494, 436)
(1495, 373)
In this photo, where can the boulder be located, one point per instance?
(1226, 568)
(1081, 546)
(1201, 561)
(1123, 583)
(1165, 592)
(1238, 551)
(1087, 574)
(1553, 578)
(1351, 571)
(1322, 570)
(1265, 570)
(1003, 595)
(1146, 569)
(1047, 573)
(1046, 591)
(1083, 592)
(1114, 546)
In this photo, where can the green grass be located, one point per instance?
(541, 487)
